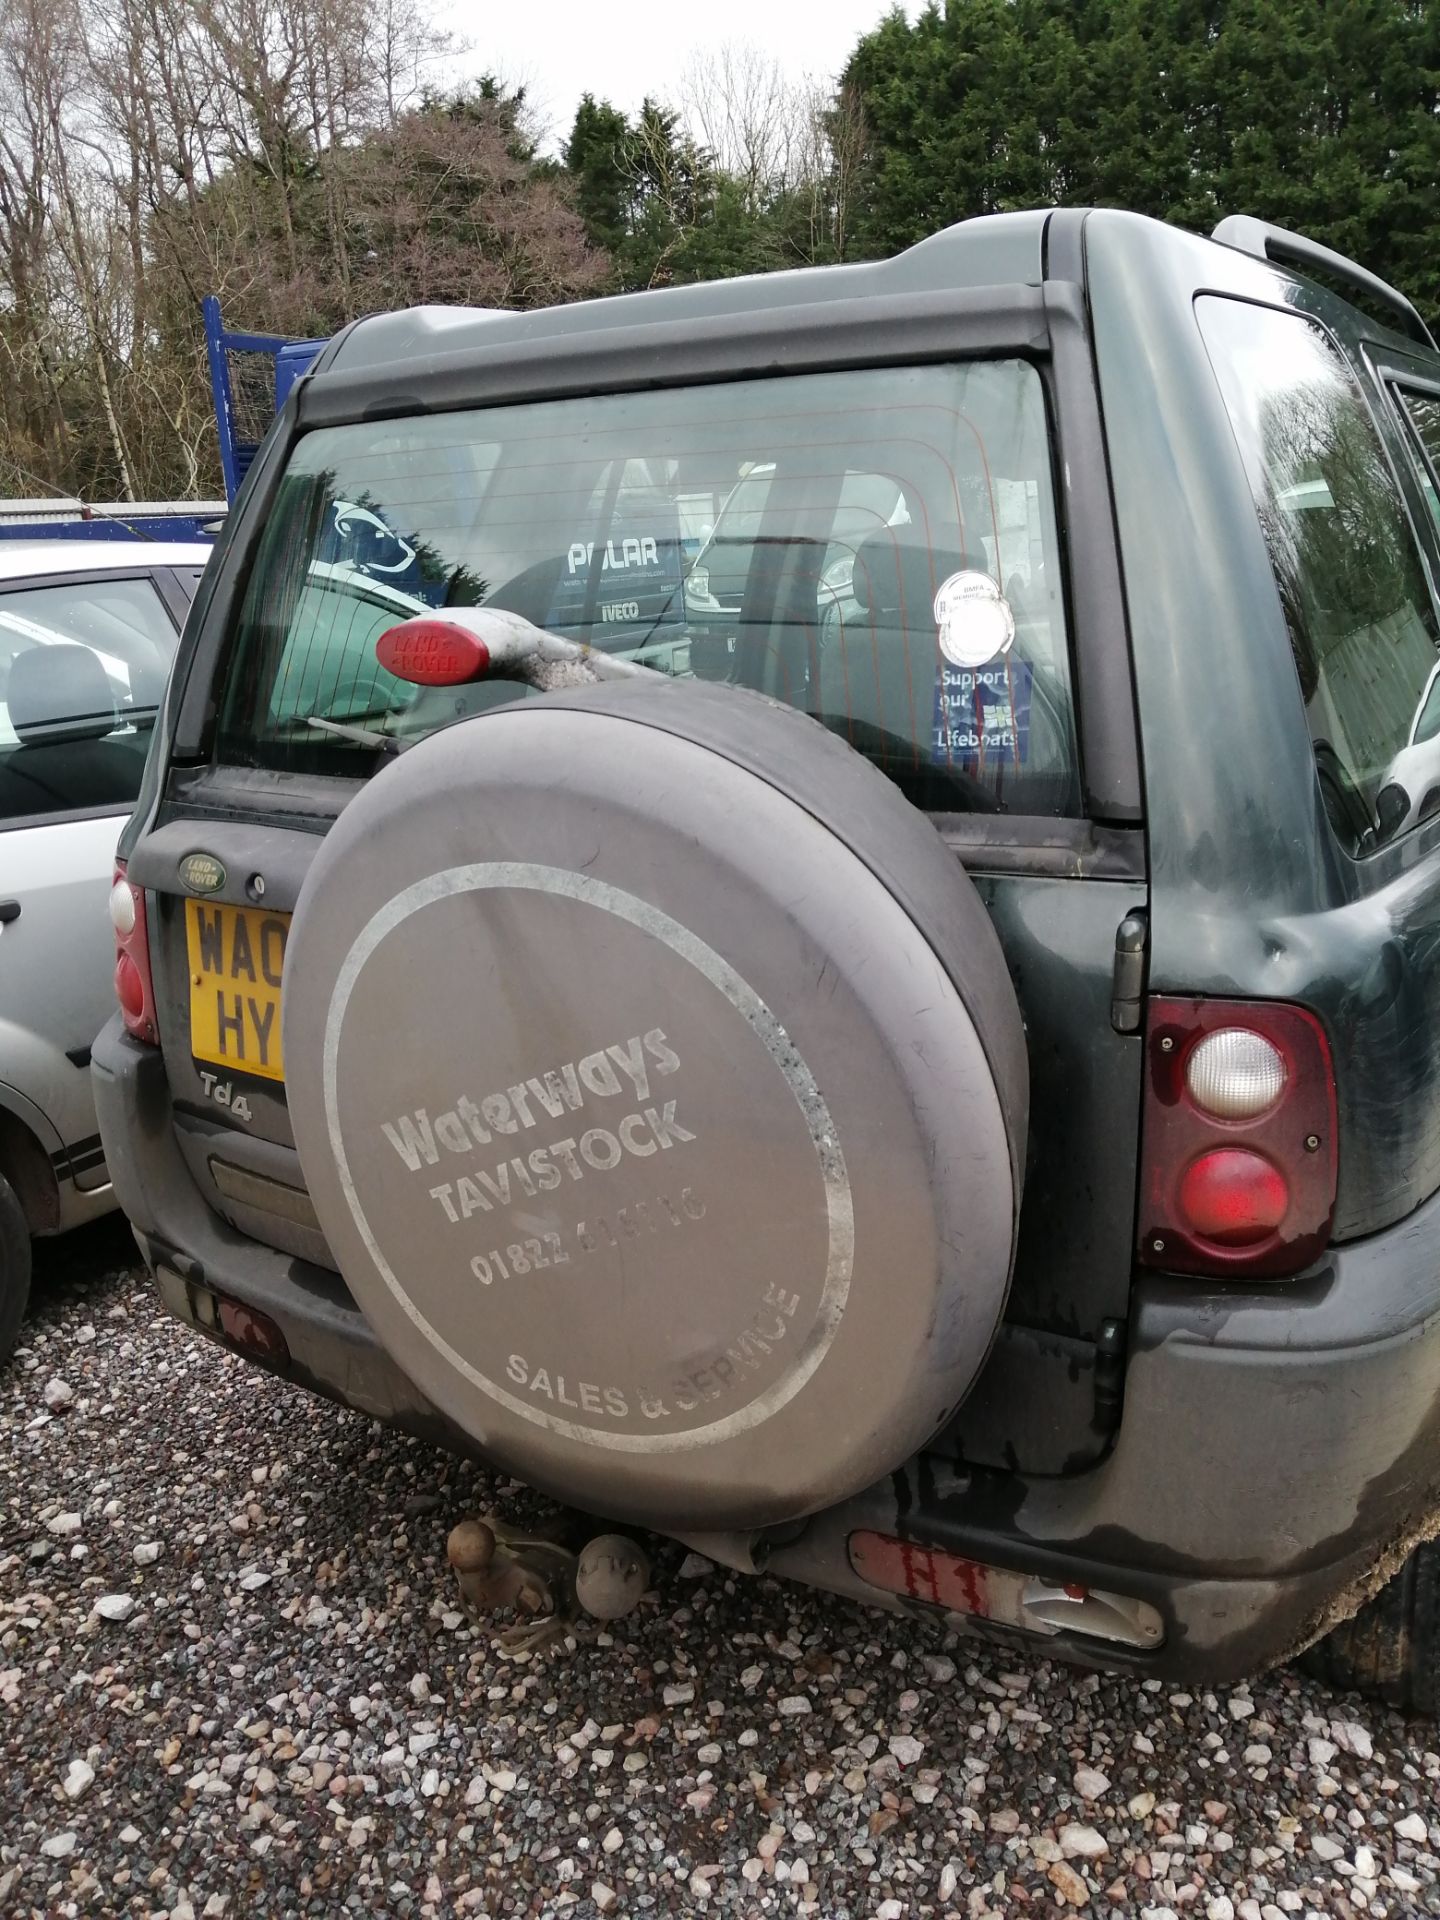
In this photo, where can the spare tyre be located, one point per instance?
(661, 1091)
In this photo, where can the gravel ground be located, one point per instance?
(233, 1680)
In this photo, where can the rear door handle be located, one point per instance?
(9, 910)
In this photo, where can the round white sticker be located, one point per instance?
(974, 619)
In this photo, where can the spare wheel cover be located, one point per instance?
(649, 1130)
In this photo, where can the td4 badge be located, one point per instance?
(221, 1093)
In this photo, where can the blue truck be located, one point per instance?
(250, 375)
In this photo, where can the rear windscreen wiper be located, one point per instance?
(362, 736)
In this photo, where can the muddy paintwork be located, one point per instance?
(1250, 1461)
(1250, 893)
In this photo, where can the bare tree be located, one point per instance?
(31, 407)
(757, 123)
(288, 155)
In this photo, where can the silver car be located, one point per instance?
(87, 633)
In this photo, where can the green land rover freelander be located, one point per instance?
(807, 912)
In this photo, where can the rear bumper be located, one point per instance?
(195, 1256)
(1279, 1450)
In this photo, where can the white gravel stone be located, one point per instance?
(64, 1524)
(1079, 1842)
(605, 1897)
(1351, 1737)
(145, 1553)
(276, 1701)
(59, 1846)
(79, 1777)
(57, 1394)
(115, 1606)
(794, 1704)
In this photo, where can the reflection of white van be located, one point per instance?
(716, 585)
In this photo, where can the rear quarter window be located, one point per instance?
(795, 535)
(1356, 600)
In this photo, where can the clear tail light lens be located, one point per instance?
(122, 908)
(1239, 1149)
(133, 988)
(1235, 1074)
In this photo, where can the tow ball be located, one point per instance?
(501, 1569)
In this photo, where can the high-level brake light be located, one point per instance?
(433, 653)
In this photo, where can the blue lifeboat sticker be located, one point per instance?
(982, 715)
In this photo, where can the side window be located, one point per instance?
(82, 672)
(1421, 412)
(1362, 625)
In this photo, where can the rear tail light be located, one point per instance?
(133, 988)
(1238, 1161)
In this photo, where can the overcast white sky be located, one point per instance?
(623, 49)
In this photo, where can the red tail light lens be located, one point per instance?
(133, 988)
(1233, 1197)
(1238, 1162)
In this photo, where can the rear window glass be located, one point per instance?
(801, 536)
(1356, 600)
(83, 666)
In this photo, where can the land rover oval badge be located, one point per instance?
(202, 873)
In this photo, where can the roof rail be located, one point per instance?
(1248, 235)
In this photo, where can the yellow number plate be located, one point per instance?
(236, 954)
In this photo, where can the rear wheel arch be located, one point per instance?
(28, 1169)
